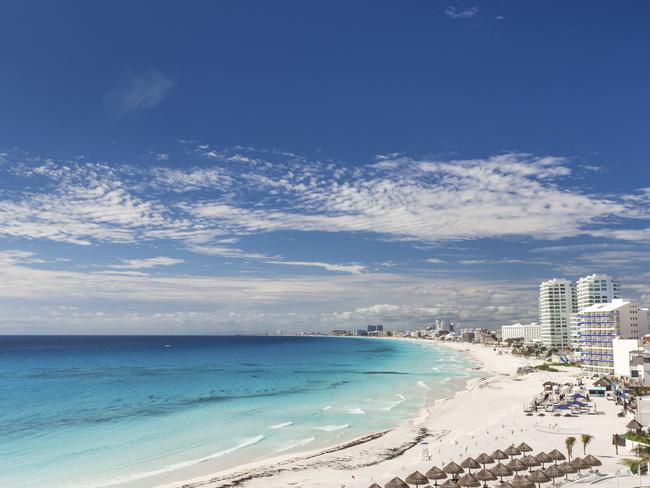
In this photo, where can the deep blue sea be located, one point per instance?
(138, 411)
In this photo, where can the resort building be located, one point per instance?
(596, 288)
(592, 289)
(444, 325)
(600, 324)
(530, 333)
(557, 301)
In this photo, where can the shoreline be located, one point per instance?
(486, 414)
(269, 467)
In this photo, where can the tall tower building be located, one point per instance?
(596, 288)
(557, 302)
(590, 290)
(600, 324)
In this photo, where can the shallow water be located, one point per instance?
(125, 411)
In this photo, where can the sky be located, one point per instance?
(253, 166)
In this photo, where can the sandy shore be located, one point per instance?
(486, 415)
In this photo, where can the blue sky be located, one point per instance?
(252, 166)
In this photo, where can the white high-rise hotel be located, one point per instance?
(600, 324)
(596, 288)
(557, 303)
(560, 302)
(592, 289)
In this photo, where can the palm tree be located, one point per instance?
(585, 439)
(569, 442)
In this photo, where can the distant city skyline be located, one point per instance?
(247, 167)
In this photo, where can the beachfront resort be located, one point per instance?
(590, 354)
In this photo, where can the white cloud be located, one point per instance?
(463, 13)
(343, 268)
(147, 263)
(140, 91)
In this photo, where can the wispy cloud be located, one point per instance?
(461, 13)
(147, 263)
(343, 268)
(140, 91)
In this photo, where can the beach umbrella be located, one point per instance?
(468, 481)
(484, 459)
(449, 484)
(579, 464)
(553, 471)
(502, 470)
(556, 455)
(634, 425)
(485, 475)
(417, 479)
(567, 469)
(435, 474)
(503, 484)
(396, 483)
(539, 477)
(521, 482)
(453, 469)
(523, 447)
(517, 465)
(591, 460)
(499, 454)
(530, 461)
(470, 464)
(542, 457)
(512, 451)
(374, 485)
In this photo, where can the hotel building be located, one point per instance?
(592, 289)
(600, 324)
(530, 333)
(557, 302)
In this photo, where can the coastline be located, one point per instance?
(242, 474)
(486, 414)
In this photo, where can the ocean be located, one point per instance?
(134, 411)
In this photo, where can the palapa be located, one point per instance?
(556, 455)
(634, 425)
(566, 468)
(591, 460)
(484, 459)
(553, 471)
(485, 475)
(539, 476)
(542, 457)
(530, 461)
(436, 474)
(449, 484)
(579, 464)
(468, 481)
(523, 447)
(453, 468)
(521, 482)
(503, 484)
(396, 483)
(374, 485)
(517, 465)
(502, 470)
(416, 478)
(512, 451)
(470, 464)
(499, 454)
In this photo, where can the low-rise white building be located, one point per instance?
(528, 332)
(600, 324)
(622, 349)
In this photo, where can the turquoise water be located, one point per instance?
(138, 411)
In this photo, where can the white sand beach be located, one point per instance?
(486, 415)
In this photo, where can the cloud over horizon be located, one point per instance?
(262, 228)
